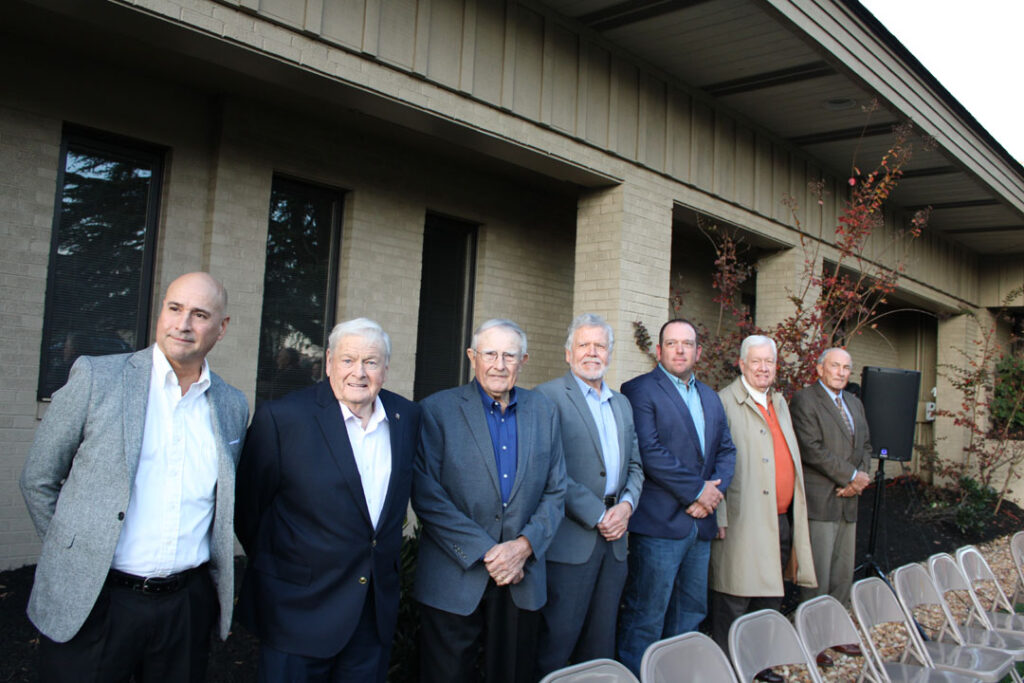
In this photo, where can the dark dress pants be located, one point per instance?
(363, 659)
(578, 620)
(159, 638)
(726, 608)
(450, 643)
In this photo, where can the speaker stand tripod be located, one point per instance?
(869, 566)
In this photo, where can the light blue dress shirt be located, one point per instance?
(600, 405)
(691, 397)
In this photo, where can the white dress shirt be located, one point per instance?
(760, 397)
(167, 523)
(372, 450)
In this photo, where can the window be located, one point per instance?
(99, 283)
(299, 286)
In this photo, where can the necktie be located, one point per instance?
(846, 418)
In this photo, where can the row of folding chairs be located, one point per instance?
(950, 622)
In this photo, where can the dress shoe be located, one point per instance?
(824, 660)
(850, 649)
(769, 676)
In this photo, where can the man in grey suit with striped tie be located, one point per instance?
(835, 447)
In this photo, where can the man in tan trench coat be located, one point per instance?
(764, 515)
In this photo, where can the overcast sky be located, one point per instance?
(974, 49)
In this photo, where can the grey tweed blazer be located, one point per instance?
(78, 479)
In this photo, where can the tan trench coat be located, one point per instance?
(747, 562)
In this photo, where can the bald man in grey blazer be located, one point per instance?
(106, 497)
(586, 563)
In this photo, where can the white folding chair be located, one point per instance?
(987, 591)
(594, 671)
(945, 642)
(823, 622)
(764, 639)
(691, 655)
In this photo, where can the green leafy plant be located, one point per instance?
(971, 514)
(1007, 394)
(992, 446)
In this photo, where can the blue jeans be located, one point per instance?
(666, 592)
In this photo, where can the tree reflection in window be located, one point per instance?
(100, 273)
(299, 286)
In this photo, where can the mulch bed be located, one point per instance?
(909, 530)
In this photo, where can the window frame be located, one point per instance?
(90, 140)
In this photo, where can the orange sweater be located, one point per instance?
(784, 472)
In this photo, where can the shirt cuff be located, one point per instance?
(628, 498)
(854, 475)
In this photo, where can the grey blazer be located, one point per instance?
(78, 479)
(456, 496)
(829, 457)
(584, 468)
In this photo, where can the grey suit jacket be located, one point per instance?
(456, 496)
(585, 469)
(829, 456)
(78, 479)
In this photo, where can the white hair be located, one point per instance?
(590, 320)
(821, 358)
(369, 330)
(755, 340)
(500, 322)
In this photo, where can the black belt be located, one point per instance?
(153, 585)
(610, 501)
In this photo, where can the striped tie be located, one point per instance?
(846, 418)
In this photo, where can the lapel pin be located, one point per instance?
(397, 416)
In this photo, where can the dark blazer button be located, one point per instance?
(373, 543)
(120, 516)
(497, 518)
(602, 474)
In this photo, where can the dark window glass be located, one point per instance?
(100, 274)
(299, 286)
(446, 305)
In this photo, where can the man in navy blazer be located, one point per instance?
(488, 487)
(688, 458)
(322, 490)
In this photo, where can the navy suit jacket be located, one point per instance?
(457, 497)
(302, 518)
(674, 467)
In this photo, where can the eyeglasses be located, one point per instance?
(491, 357)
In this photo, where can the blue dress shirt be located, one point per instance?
(600, 404)
(691, 397)
(502, 427)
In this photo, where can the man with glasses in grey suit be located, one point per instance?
(130, 484)
(488, 487)
(587, 560)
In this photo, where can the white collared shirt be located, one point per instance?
(760, 397)
(167, 523)
(372, 450)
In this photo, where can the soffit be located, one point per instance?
(775, 64)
